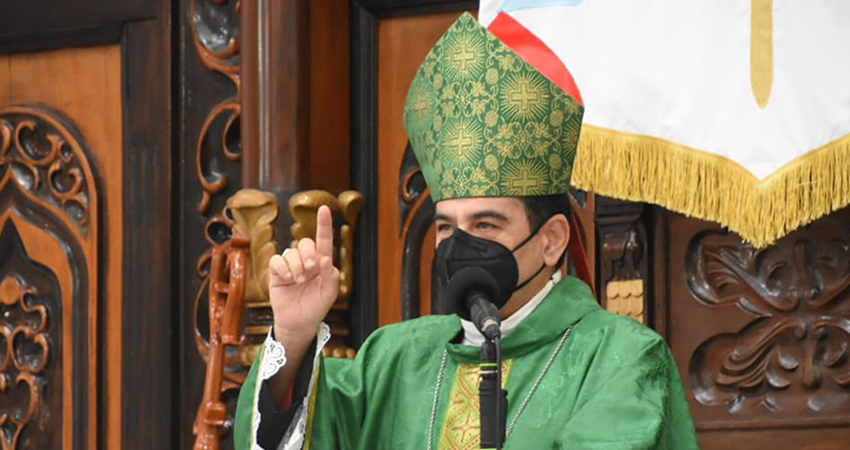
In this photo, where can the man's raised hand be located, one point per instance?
(303, 284)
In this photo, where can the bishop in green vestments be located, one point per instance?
(496, 139)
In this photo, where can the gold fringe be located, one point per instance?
(706, 186)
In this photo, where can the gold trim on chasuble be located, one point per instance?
(312, 409)
(462, 426)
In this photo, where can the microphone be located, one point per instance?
(473, 287)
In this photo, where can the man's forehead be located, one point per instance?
(459, 208)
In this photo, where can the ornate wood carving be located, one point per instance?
(45, 163)
(24, 353)
(212, 115)
(215, 35)
(622, 250)
(48, 283)
(791, 360)
(215, 31)
(249, 214)
(242, 245)
(226, 290)
(416, 215)
(254, 214)
(346, 208)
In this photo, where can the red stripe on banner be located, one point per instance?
(535, 52)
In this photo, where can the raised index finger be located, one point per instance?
(324, 231)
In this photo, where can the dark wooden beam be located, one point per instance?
(29, 25)
(398, 8)
(148, 418)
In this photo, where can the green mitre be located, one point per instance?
(485, 123)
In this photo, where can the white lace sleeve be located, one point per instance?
(274, 358)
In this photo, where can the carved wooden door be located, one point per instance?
(84, 150)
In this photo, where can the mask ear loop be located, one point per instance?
(542, 267)
(525, 283)
(529, 238)
(575, 250)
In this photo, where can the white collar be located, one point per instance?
(471, 335)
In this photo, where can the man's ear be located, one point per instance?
(556, 231)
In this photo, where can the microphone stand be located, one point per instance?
(493, 400)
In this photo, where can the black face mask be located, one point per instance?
(464, 250)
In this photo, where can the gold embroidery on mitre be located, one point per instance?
(525, 96)
(462, 58)
(523, 178)
(462, 426)
(476, 109)
(462, 143)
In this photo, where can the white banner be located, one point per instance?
(753, 96)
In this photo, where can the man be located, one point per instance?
(495, 139)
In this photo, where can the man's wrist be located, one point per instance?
(293, 341)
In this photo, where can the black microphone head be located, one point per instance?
(467, 281)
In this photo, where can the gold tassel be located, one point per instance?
(707, 186)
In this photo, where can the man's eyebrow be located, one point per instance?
(490, 214)
(486, 214)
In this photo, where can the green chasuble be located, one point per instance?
(612, 385)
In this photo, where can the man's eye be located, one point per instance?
(444, 228)
(485, 226)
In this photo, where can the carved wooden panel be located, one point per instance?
(49, 228)
(25, 347)
(215, 34)
(762, 337)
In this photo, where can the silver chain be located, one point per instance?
(521, 407)
(537, 383)
(436, 399)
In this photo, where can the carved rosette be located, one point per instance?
(793, 357)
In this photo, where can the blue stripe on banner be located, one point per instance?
(516, 5)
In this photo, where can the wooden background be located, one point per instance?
(165, 109)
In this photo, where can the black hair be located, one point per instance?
(541, 208)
